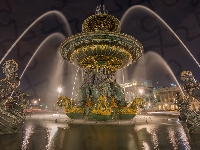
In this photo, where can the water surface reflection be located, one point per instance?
(41, 132)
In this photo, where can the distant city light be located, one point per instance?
(173, 84)
(141, 91)
(59, 90)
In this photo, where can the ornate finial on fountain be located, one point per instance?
(98, 10)
(101, 22)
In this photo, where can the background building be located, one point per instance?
(157, 99)
(139, 88)
(165, 98)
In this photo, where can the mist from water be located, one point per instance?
(58, 61)
(53, 12)
(51, 67)
(140, 7)
(155, 67)
(56, 34)
(123, 75)
(151, 66)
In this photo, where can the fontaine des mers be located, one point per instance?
(100, 49)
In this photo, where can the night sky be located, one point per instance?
(47, 70)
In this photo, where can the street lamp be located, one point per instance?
(141, 91)
(35, 102)
(166, 106)
(59, 90)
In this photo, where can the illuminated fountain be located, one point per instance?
(100, 50)
(12, 100)
(192, 89)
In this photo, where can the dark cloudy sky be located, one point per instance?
(182, 16)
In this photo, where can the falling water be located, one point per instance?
(123, 76)
(56, 75)
(150, 11)
(120, 75)
(159, 60)
(60, 35)
(41, 17)
(82, 75)
(138, 70)
(74, 83)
